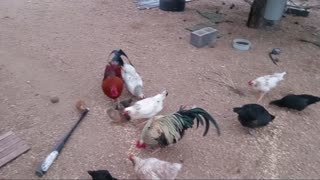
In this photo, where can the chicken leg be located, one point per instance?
(260, 96)
(140, 124)
(115, 103)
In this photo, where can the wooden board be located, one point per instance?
(11, 146)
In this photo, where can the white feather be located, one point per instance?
(268, 82)
(147, 108)
(131, 78)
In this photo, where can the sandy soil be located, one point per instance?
(59, 48)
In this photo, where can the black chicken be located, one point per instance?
(101, 175)
(253, 115)
(297, 102)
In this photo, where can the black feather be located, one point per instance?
(162, 140)
(253, 115)
(199, 119)
(188, 116)
(101, 175)
(297, 102)
(117, 57)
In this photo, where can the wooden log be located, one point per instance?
(255, 19)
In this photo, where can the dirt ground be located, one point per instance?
(59, 48)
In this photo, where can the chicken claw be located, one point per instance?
(141, 123)
(260, 96)
(154, 151)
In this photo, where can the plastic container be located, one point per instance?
(172, 5)
(241, 44)
(274, 9)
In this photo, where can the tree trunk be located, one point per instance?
(256, 19)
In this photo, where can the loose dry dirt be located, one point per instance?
(59, 48)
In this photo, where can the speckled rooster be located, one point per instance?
(165, 130)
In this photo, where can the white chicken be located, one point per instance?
(146, 108)
(153, 168)
(132, 80)
(129, 74)
(265, 83)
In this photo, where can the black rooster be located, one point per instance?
(101, 175)
(297, 102)
(253, 115)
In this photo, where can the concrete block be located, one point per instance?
(203, 37)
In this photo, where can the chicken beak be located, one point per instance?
(126, 115)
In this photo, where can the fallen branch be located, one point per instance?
(311, 42)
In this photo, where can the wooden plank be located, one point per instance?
(11, 146)
(6, 141)
(6, 150)
(17, 152)
(2, 136)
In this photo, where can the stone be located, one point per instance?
(203, 37)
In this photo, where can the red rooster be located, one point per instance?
(112, 83)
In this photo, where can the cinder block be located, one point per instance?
(203, 37)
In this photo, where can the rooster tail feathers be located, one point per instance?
(281, 75)
(121, 52)
(188, 116)
(117, 56)
(207, 117)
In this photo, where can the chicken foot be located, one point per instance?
(141, 124)
(116, 103)
(260, 96)
(156, 150)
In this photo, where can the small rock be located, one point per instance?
(54, 99)
(28, 82)
(212, 44)
(276, 51)
(238, 170)
(223, 3)
(232, 6)
(36, 94)
(296, 22)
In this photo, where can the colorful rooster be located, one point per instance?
(112, 83)
(165, 130)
